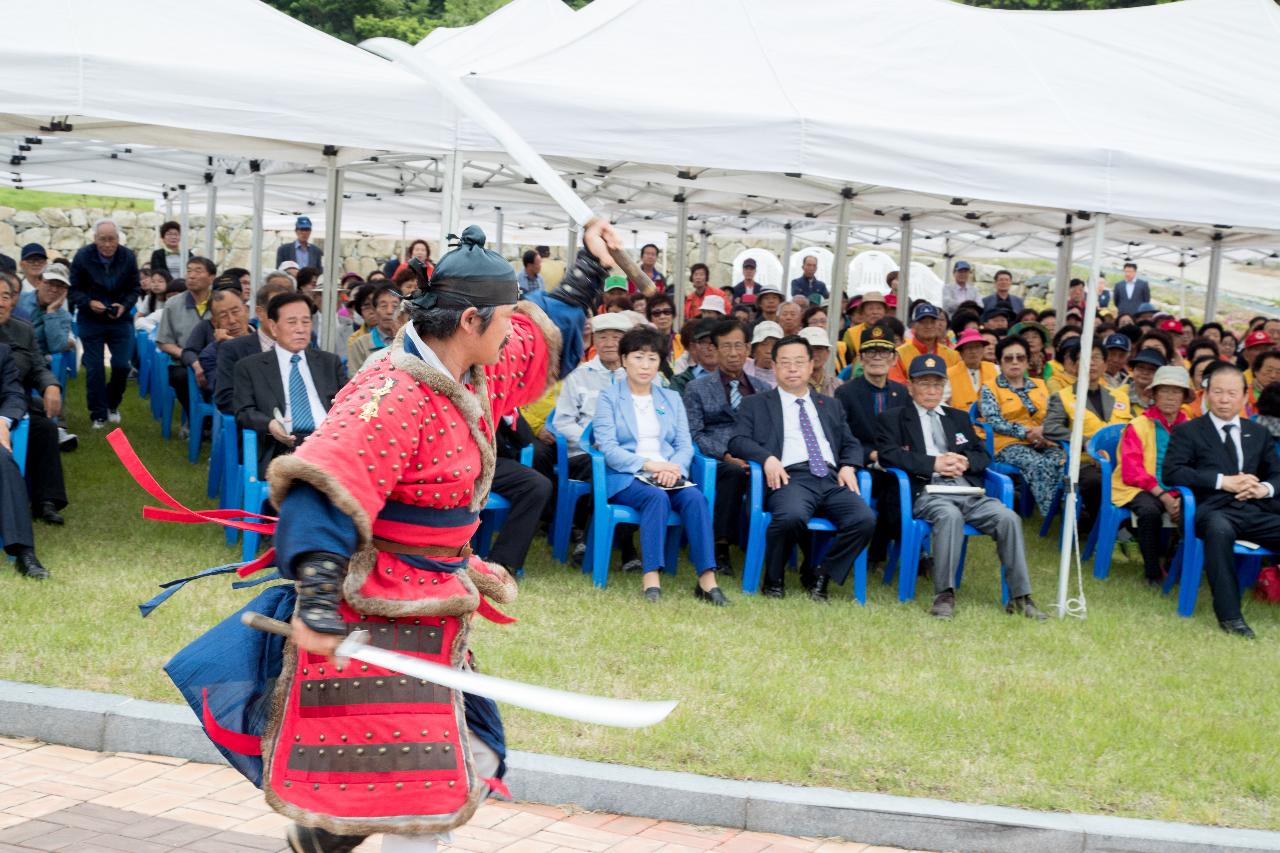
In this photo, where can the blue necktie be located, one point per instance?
(735, 395)
(817, 464)
(299, 405)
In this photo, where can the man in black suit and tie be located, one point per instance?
(1131, 291)
(803, 442)
(283, 394)
(936, 446)
(16, 534)
(1231, 467)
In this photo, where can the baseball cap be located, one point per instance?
(303, 224)
(1148, 356)
(1146, 308)
(1257, 338)
(970, 336)
(714, 303)
(1171, 325)
(764, 330)
(58, 273)
(704, 330)
(997, 311)
(765, 289)
(962, 265)
(927, 365)
(923, 310)
(876, 337)
(615, 282)
(815, 336)
(33, 250)
(749, 262)
(1117, 341)
(288, 265)
(616, 321)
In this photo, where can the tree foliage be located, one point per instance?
(411, 20)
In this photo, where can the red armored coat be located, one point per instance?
(408, 453)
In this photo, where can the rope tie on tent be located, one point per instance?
(1078, 606)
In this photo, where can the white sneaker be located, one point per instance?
(113, 416)
(98, 424)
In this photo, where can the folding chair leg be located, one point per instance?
(601, 550)
(860, 578)
(1189, 584)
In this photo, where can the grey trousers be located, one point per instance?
(948, 515)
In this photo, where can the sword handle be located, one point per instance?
(265, 623)
(629, 267)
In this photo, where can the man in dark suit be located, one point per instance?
(256, 341)
(1131, 292)
(808, 454)
(1003, 298)
(301, 251)
(284, 394)
(936, 446)
(1231, 467)
(864, 399)
(712, 402)
(15, 517)
(104, 289)
(45, 484)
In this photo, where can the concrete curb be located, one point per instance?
(109, 723)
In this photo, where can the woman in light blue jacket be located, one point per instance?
(643, 432)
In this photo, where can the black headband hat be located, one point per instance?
(470, 276)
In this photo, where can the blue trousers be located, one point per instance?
(97, 336)
(654, 504)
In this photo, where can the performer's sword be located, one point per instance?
(408, 59)
(601, 710)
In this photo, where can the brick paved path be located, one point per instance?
(60, 798)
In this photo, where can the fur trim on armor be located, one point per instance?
(358, 570)
(472, 407)
(497, 584)
(549, 332)
(284, 470)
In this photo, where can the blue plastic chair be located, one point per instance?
(1103, 448)
(163, 397)
(253, 491)
(568, 493)
(495, 512)
(606, 517)
(143, 345)
(18, 438)
(758, 520)
(198, 411)
(226, 448)
(914, 538)
(1188, 564)
(846, 373)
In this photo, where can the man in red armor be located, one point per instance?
(376, 511)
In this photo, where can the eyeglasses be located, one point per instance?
(878, 354)
(1014, 358)
(731, 346)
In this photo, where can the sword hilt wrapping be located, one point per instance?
(266, 624)
(629, 267)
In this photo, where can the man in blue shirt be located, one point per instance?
(301, 251)
(104, 289)
(45, 308)
(807, 285)
(530, 278)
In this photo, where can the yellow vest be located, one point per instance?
(1122, 492)
(963, 394)
(1012, 409)
(1121, 412)
(1059, 378)
(909, 351)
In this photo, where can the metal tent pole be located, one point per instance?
(210, 218)
(1070, 536)
(571, 247)
(168, 204)
(451, 200)
(904, 269)
(675, 283)
(839, 275)
(332, 252)
(184, 221)
(255, 239)
(498, 226)
(786, 256)
(704, 243)
(1062, 273)
(948, 260)
(1182, 282)
(1215, 278)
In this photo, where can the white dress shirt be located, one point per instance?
(926, 426)
(794, 451)
(283, 358)
(1218, 424)
(648, 429)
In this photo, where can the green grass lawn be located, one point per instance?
(1133, 712)
(20, 199)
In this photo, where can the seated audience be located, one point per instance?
(46, 310)
(527, 489)
(712, 402)
(16, 533)
(1269, 409)
(871, 310)
(229, 318)
(1266, 371)
(284, 394)
(1137, 483)
(808, 454)
(928, 337)
(1014, 407)
(936, 445)
(746, 290)
(702, 354)
(1230, 465)
(1142, 369)
(255, 340)
(181, 315)
(1117, 347)
(699, 276)
(967, 379)
(818, 341)
(759, 367)
(790, 318)
(660, 311)
(387, 322)
(643, 433)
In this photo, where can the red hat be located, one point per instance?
(891, 299)
(1171, 325)
(1257, 338)
(970, 336)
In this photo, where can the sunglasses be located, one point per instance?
(661, 312)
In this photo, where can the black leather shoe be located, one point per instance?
(306, 839)
(48, 513)
(775, 590)
(944, 605)
(819, 590)
(1231, 626)
(711, 596)
(724, 568)
(31, 567)
(653, 594)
